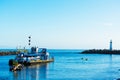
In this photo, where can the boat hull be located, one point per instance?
(38, 62)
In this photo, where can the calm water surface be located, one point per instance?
(68, 65)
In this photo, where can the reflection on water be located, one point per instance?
(67, 66)
(33, 72)
(110, 59)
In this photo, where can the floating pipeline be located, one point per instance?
(101, 51)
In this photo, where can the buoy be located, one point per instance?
(82, 58)
(86, 59)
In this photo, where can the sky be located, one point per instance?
(60, 24)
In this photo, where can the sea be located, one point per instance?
(69, 64)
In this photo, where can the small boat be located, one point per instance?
(34, 56)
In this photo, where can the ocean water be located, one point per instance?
(68, 65)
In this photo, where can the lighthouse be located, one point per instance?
(110, 45)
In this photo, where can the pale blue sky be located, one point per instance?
(76, 24)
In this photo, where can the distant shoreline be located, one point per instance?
(101, 51)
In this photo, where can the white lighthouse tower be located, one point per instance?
(110, 45)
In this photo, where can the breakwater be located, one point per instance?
(101, 51)
(3, 53)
